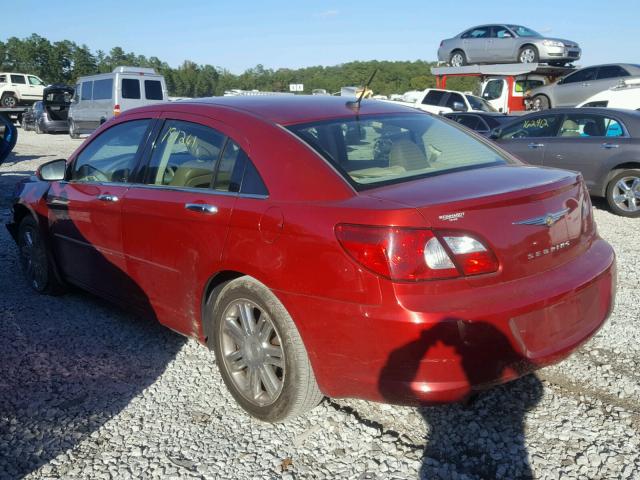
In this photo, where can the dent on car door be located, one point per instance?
(85, 210)
(586, 143)
(176, 218)
(527, 137)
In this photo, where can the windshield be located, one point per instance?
(374, 150)
(480, 104)
(524, 31)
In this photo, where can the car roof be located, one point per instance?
(292, 109)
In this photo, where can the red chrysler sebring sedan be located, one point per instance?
(321, 247)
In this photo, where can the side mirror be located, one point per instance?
(459, 107)
(52, 171)
(495, 133)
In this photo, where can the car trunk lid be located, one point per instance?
(533, 219)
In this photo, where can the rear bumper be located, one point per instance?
(55, 126)
(414, 350)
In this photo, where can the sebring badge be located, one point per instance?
(544, 220)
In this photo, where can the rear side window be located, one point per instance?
(611, 71)
(131, 88)
(102, 89)
(112, 155)
(482, 32)
(433, 97)
(581, 76)
(236, 172)
(185, 155)
(3, 79)
(153, 90)
(470, 121)
(87, 89)
(577, 125)
(18, 79)
(543, 126)
(375, 150)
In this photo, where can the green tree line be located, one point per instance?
(64, 61)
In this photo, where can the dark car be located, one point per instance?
(28, 121)
(483, 123)
(50, 115)
(8, 137)
(324, 248)
(601, 143)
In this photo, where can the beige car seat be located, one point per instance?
(406, 154)
(569, 129)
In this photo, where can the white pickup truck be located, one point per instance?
(18, 88)
(439, 101)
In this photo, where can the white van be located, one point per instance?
(97, 98)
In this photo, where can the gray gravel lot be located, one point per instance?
(89, 391)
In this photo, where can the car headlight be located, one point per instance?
(552, 43)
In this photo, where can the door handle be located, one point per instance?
(535, 145)
(585, 84)
(201, 208)
(610, 145)
(108, 198)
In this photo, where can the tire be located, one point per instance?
(457, 58)
(623, 193)
(35, 261)
(541, 102)
(73, 130)
(528, 54)
(8, 100)
(273, 350)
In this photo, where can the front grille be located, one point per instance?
(573, 54)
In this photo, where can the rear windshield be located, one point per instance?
(375, 150)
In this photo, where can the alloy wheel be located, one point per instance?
(528, 55)
(626, 194)
(252, 352)
(457, 60)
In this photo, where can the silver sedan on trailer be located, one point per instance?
(505, 43)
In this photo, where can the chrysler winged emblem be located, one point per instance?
(547, 219)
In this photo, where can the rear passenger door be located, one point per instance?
(586, 143)
(177, 215)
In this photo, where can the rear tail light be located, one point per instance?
(411, 254)
(116, 110)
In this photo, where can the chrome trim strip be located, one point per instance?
(206, 191)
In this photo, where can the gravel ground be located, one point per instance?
(89, 391)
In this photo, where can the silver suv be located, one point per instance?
(576, 87)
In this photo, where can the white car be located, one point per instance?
(19, 88)
(439, 101)
(625, 95)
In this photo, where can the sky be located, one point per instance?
(237, 35)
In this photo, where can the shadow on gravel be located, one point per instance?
(486, 437)
(69, 364)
